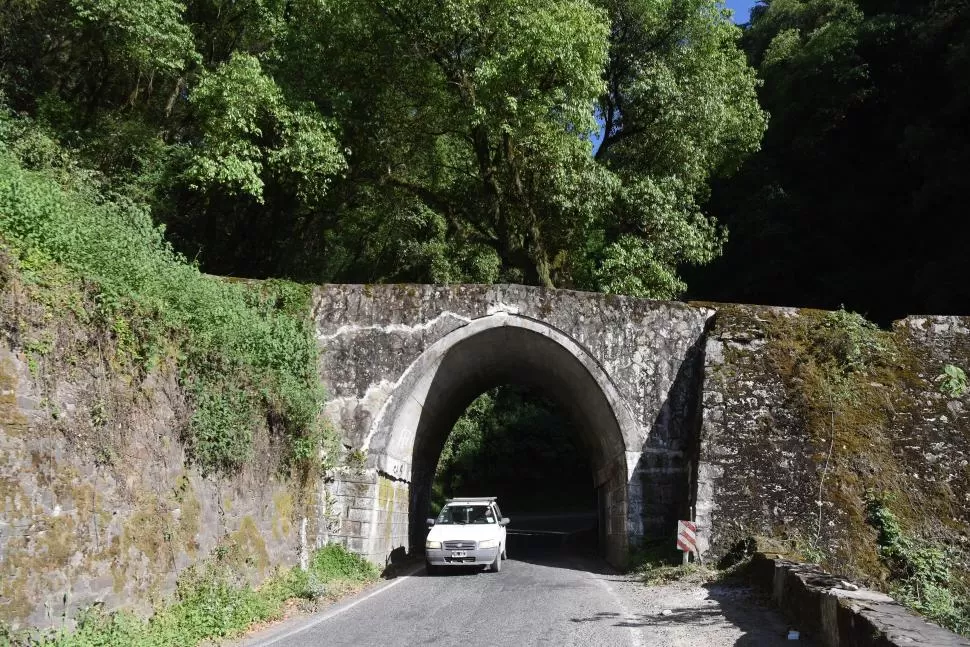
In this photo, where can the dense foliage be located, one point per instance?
(507, 444)
(245, 354)
(857, 196)
(385, 140)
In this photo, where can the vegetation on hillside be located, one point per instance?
(922, 572)
(857, 195)
(245, 353)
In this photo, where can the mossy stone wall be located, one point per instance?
(794, 434)
(98, 503)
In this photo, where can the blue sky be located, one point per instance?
(741, 9)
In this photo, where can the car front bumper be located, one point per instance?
(441, 557)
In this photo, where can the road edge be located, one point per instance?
(288, 628)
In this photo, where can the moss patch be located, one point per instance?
(190, 518)
(247, 549)
(866, 401)
(12, 421)
(16, 602)
(283, 507)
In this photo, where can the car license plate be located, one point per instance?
(458, 553)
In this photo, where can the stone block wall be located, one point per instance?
(834, 613)
(372, 336)
(765, 446)
(757, 473)
(99, 505)
(369, 512)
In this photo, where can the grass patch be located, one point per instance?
(656, 562)
(658, 574)
(245, 352)
(210, 603)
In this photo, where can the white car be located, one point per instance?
(468, 532)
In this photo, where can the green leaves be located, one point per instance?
(384, 140)
(148, 34)
(953, 381)
(919, 569)
(680, 107)
(248, 129)
(245, 353)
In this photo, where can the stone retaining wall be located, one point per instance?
(829, 612)
(99, 504)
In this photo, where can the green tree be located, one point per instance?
(384, 140)
(856, 195)
(476, 146)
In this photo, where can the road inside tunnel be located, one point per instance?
(516, 444)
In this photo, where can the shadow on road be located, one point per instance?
(752, 610)
(731, 604)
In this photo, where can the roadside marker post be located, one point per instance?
(687, 538)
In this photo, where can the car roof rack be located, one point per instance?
(470, 499)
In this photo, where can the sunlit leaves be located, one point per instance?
(419, 140)
(150, 34)
(248, 127)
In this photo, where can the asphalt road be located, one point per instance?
(570, 601)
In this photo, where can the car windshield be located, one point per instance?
(462, 514)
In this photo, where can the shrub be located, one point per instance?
(245, 352)
(919, 570)
(209, 603)
(953, 381)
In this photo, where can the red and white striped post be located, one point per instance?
(687, 538)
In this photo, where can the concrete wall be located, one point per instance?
(401, 363)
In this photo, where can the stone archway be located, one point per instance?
(410, 431)
(402, 362)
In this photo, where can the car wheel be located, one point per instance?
(430, 568)
(497, 564)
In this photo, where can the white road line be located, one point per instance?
(335, 612)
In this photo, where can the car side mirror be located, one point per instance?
(430, 522)
(505, 521)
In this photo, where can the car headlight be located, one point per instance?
(432, 544)
(488, 543)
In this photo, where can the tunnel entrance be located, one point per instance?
(508, 350)
(516, 444)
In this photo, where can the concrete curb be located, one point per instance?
(838, 617)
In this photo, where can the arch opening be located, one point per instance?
(488, 353)
(514, 443)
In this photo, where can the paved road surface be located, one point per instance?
(570, 601)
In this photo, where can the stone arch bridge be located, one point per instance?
(402, 362)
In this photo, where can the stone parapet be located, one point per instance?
(837, 615)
